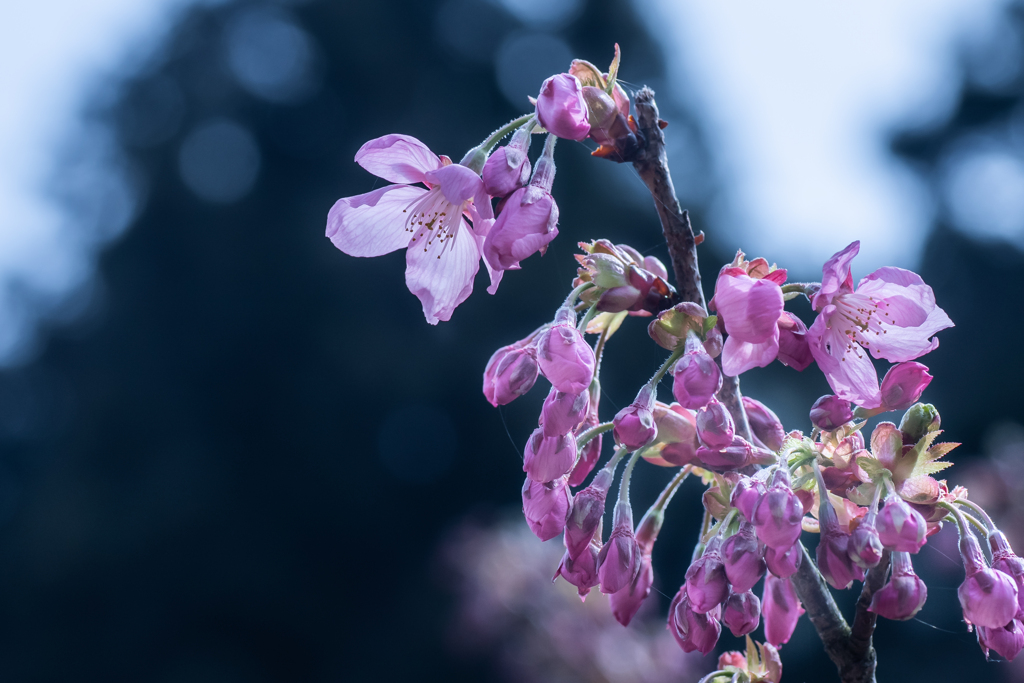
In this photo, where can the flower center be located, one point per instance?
(433, 218)
(861, 317)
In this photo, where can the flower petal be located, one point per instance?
(372, 224)
(740, 356)
(750, 308)
(397, 158)
(495, 275)
(835, 275)
(846, 366)
(458, 183)
(440, 273)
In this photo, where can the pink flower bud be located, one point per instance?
(619, 561)
(829, 412)
(736, 455)
(692, 630)
(1008, 641)
(1004, 559)
(510, 373)
(781, 610)
(676, 443)
(563, 413)
(865, 545)
(634, 424)
(794, 350)
(903, 385)
(706, 581)
(581, 571)
(744, 559)
(547, 458)
(561, 109)
(527, 224)
(905, 593)
(900, 527)
(745, 495)
(626, 602)
(733, 659)
(591, 451)
(742, 613)
(833, 553)
(784, 562)
(715, 427)
(695, 378)
(987, 596)
(564, 356)
(546, 507)
(587, 512)
(508, 168)
(778, 514)
(765, 424)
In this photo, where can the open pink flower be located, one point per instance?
(443, 254)
(748, 297)
(891, 313)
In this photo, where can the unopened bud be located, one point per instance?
(546, 507)
(903, 385)
(580, 571)
(587, 512)
(744, 559)
(619, 560)
(1008, 641)
(900, 527)
(547, 458)
(706, 581)
(742, 613)
(784, 562)
(626, 603)
(905, 593)
(865, 545)
(779, 513)
(562, 413)
(765, 424)
(561, 108)
(634, 424)
(745, 495)
(696, 378)
(508, 168)
(919, 419)
(692, 630)
(715, 427)
(987, 596)
(564, 356)
(781, 610)
(510, 373)
(830, 412)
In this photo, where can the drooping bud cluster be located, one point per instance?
(623, 279)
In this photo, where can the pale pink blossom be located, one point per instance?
(891, 314)
(443, 254)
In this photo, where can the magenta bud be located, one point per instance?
(744, 559)
(546, 507)
(745, 495)
(619, 560)
(736, 455)
(900, 527)
(830, 412)
(564, 356)
(742, 613)
(634, 424)
(1004, 559)
(626, 602)
(903, 385)
(587, 512)
(692, 630)
(987, 596)
(527, 224)
(1008, 640)
(834, 561)
(865, 545)
(765, 424)
(508, 168)
(784, 562)
(696, 378)
(778, 514)
(715, 427)
(561, 108)
(510, 373)
(781, 610)
(563, 413)
(547, 458)
(706, 581)
(905, 593)
(581, 571)
(676, 443)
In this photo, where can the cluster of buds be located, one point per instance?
(873, 502)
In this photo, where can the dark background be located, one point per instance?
(238, 462)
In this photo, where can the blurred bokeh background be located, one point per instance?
(229, 452)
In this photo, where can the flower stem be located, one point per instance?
(977, 508)
(676, 355)
(574, 294)
(624, 482)
(589, 434)
(477, 157)
(665, 497)
(587, 317)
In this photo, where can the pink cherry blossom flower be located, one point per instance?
(443, 254)
(750, 309)
(891, 314)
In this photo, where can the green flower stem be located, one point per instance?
(624, 482)
(477, 157)
(574, 294)
(591, 312)
(977, 508)
(589, 434)
(676, 355)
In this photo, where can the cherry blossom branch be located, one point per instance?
(651, 163)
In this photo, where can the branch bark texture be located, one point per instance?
(849, 648)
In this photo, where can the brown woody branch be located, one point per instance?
(849, 648)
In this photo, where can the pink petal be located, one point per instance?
(849, 372)
(458, 183)
(739, 356)
(495, 275)
(374, 223)
(442, 281)
(397, 158)
(750, 308)
(793, 348)
(835, 275)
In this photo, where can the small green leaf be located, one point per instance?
(709, 323)
(930, 467)
(872, 467)
(940, 449)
